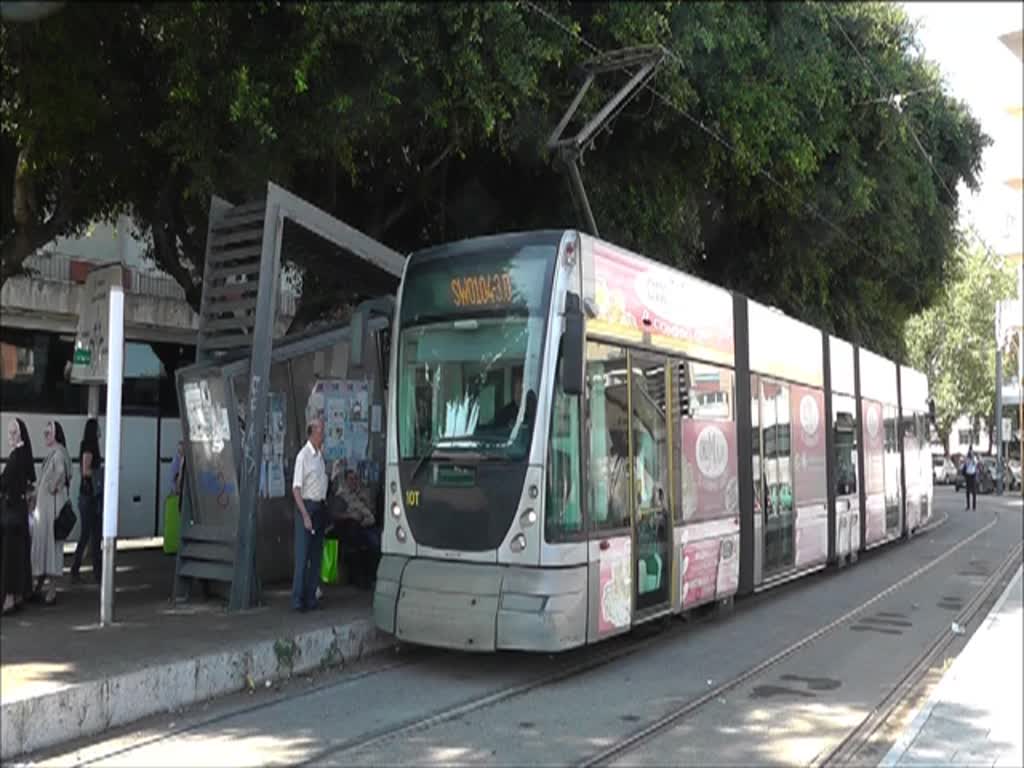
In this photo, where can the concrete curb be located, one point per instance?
(92, 707)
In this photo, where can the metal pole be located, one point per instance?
(112, 472)
(242, 588)
(999, 417)
(581, 195)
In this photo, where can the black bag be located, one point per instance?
(65, 522)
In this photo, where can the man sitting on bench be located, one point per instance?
(355, 527)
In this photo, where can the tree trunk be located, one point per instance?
(29, 233)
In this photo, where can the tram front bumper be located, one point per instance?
(481, 607)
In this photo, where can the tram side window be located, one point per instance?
(844, 427)
(710, 392)
(755, 444)
(777, 471)
(608, 459)
(891, 469)
(650, 433)
(563, 515)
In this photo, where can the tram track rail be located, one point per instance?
(679, 714)
(861, 737)
(475, 704)
(630, 644)
(224, 716)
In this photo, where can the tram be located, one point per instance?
(581, 440)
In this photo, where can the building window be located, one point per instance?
(35, 373)
(965, 437)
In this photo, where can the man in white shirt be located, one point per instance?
(971, 478)
(309, 487)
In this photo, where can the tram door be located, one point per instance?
(649, 446)
(627, 470)
(776, 480)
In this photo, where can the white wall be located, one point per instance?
(981, 444)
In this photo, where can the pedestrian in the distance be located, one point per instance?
(309, 488)
(971, 479)
(90, 489)
(177, 469)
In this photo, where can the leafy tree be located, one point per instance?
(425, 122)
(953, 341)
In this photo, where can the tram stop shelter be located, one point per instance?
(246, 401)
(312, 375)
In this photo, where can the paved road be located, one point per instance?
(404, 709)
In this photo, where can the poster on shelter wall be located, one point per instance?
(272, 475)
(195, 414)
(334, 428)
(343, 405)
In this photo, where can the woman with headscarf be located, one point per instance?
(89, 492)
(51, 495)
(15, 488)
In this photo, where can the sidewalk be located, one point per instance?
(63, 677)
(974, 716)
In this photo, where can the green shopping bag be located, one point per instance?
(329, 564)
(172, 525)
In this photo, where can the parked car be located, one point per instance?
(944, 471)
(1013, 475)
(989, 475)
(991, 471)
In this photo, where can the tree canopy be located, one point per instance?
(954, 342)
(770, 158)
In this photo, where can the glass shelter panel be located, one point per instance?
(210, 452)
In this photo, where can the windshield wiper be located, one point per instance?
(419, 464)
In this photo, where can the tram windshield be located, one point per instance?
(472, 329)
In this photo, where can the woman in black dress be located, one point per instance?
(90, 491)
(16, 483)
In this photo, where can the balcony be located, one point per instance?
(155, 306)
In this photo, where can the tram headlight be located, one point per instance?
(400, 534)
(394, 487)
(396, 510)
(534, 491)
(518, 543)
(528, 518)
